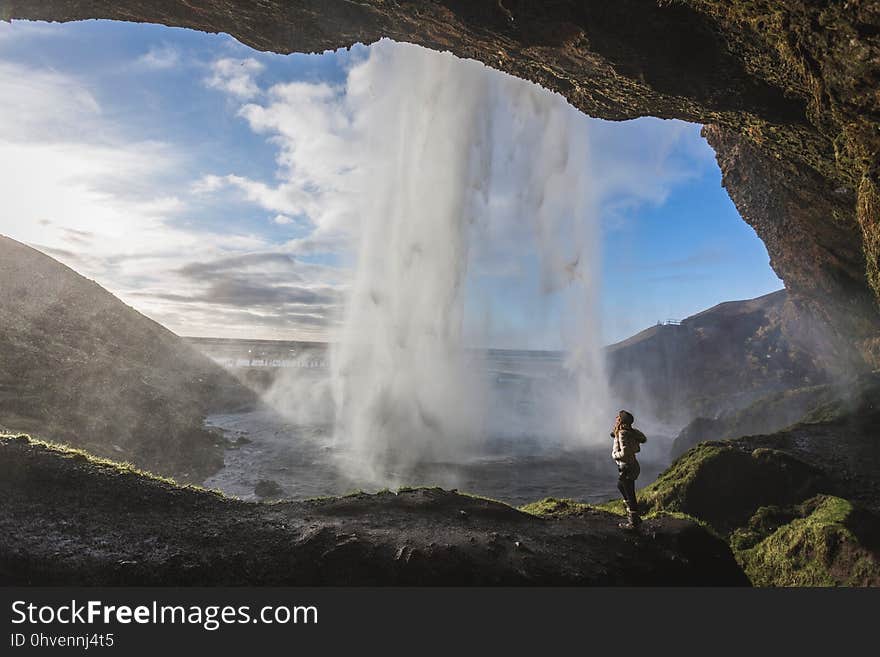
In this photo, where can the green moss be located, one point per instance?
(723, 484)
(670, 490)
(766, 520)
(552, 507)
(825, 413)
(115, 467)
(613, 506)
(684, 516)
(668, 493)
(555, 508)
(415, 489)
(816, 548)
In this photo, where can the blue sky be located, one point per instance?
(204, 183)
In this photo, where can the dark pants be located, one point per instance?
(626, 484)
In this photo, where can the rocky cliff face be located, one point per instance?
(787, 90)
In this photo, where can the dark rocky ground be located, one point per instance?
(69, 519)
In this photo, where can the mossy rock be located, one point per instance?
(724, 485)
(826, 541)
(84, 463)
(766, 520)
(553, 507)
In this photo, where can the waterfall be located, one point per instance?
(452, 160)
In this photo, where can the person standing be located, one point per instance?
(627, 442)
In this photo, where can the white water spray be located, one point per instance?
(456, 159)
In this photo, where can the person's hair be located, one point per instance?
(626, 418)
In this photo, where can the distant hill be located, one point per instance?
(77, 365)
(723, 358)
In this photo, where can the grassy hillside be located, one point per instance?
(723, 358)
(77, 365)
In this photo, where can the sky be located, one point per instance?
(210, 186)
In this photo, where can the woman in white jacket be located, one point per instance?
(627, 442)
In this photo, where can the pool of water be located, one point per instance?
(303, 461)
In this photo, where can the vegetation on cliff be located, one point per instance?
(79, 366)
(799, 507)
(824, 541)
(723, 485)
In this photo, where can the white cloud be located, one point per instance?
(310, 124)
(282, 220)
(160, 57)
(322, 143)
(327, 136)
(42, 104)
(27, 30)
(235, 76)
(207, 184)
(77, 186)
(640, 162)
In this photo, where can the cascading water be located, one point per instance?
(453, 161)
(402, 386)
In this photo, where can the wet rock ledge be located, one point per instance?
(68, 518)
